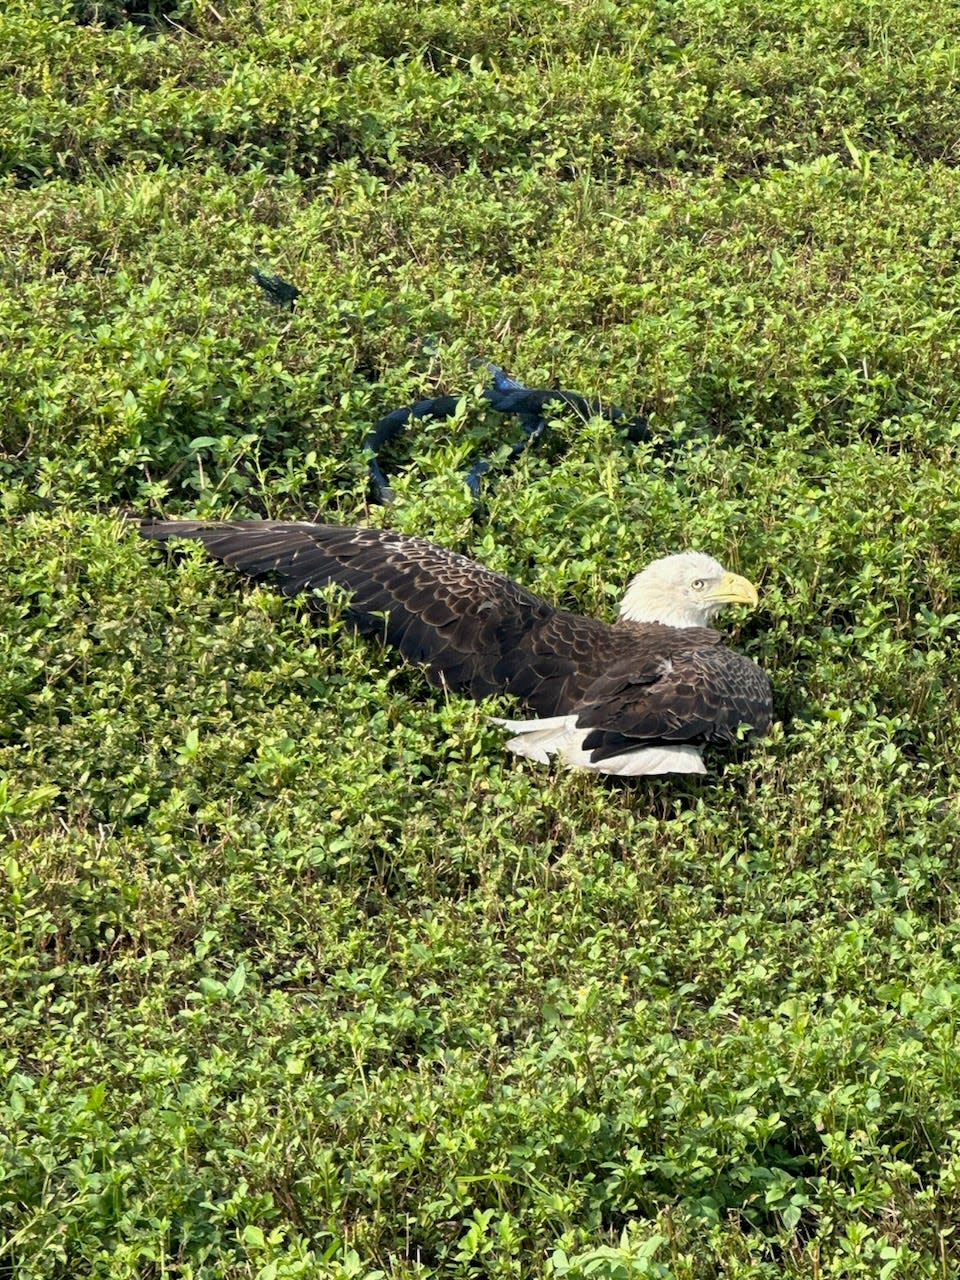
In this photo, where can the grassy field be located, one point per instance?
(300, 974)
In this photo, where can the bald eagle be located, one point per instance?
(644, 695)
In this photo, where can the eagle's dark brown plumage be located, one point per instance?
(631, 697)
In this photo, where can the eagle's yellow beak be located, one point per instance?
(732, 589)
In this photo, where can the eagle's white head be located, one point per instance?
(684, 590)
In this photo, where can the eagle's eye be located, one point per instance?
(698, 584)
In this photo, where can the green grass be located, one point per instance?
(300, 974)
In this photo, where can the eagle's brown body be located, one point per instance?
(630, 685)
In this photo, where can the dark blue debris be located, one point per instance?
(506, 395)
(279, 291)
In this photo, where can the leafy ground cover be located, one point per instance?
(301, 976)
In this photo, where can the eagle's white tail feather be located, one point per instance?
(653, 760)
(538, 740)
(531, 726)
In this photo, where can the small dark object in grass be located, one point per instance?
(279, 291)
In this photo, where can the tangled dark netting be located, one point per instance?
(505, 395)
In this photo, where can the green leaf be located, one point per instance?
(237, 980)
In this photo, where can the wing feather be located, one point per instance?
(472, 627)
(702, 696)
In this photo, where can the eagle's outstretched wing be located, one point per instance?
(472, 628)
